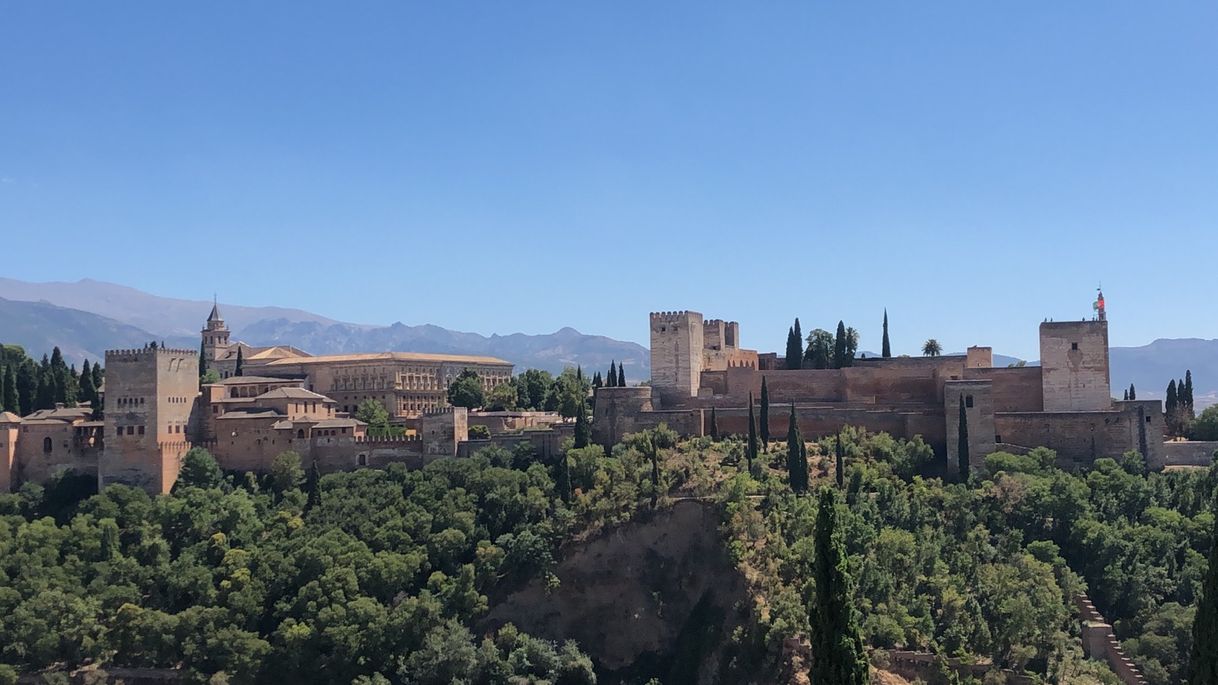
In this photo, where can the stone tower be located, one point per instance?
(150, 396)
(215, 335)
(676, 354)
(1074, 365)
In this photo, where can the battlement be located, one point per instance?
(394, 440)
(139, 352)
(663, 317)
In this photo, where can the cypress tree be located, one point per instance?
(202, 360)
(581, 426)
(765, 413)
(613, 374)
(88, 393)
(797, 471)
(313, 487)
(562, 482)
(714, 425)
(621, 375)
(1171, 406)
(596, 380)
(46, 386)
(840, 346)
(240, 370)
(886, 350)
(837, 647)
(12, 399)
(27, 386)
(795, 349)
(751, 450)
(1203, 661)
(1133, 393)
(840, 457)
(1188, 395)
(962, 442)
(1126, 394)
(59, 377)
(3, 396)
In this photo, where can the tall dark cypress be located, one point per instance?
(795, 348)
(596, 380)
(838, 657)
(613, 374)
(12, 398)
(27, 386)
(202, 360)
(797, 471)
(1188, 395)
(88, 393)
(582, 437)
(46, 385)
(59, 378)
(1203, 661)
(621, 375)
(562, 482)
(313, 487)
(839, 455)
(97, 378)
(840, 347)
(1171, 406)
(1133, 392)
(240, 370)
(714, 425)
(765, 413)
(1126, 394)
(886, 350)
(751, 449)
(962, 442)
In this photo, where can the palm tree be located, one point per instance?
(932, 348)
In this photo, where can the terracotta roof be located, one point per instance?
(261, 353)
(9, 417)
(61, 414)
(293, 394)
(338, 423)
(250, 414)
(241, 380)
(392, 357)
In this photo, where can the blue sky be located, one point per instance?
(974, 167)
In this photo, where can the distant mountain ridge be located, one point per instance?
(87, 317)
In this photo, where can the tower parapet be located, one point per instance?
(677, 340)
(1074, 365)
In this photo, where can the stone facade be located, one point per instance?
(1064, 404)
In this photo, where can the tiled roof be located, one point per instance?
(250, 414)
(293, 394)
(9, 417)
(241, 380)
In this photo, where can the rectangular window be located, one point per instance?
(968, 401)
(1074, 346)
(141, 430)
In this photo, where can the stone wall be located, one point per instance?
(1188, 453)
(979, 414)
(70, 448)
(1016, 388)
(1083, 437)
(1074, 366)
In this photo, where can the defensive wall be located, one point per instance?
(1083, 437)
(1189, 453)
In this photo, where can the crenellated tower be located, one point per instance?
(676, 353)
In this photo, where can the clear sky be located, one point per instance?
(972, 166)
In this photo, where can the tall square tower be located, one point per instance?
(676, 353)
(1074, 365)
(150, 396)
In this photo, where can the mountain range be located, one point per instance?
(87, 317)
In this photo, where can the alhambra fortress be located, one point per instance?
(286, 399)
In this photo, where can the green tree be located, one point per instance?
(714, 425)
(502, 397)
(837, 646)
(840, 346)
(97, 376)
(794, 347)
(240, 371)
(962, 455)
(286, 471)
(613, 374)
(1133, 393)
(466, 390)
(886, 349)
(819, 354)
(765, 412)
(373, 413)
(751, 451)
(621, 375)
(534, 386)
(1203, 662)
(12, 399)
(797, 465)
(202, 361)
(582, 432)
(839, 458)
(932, 348)
(28, 386)
(1171, 407)
(1205, 427)
(199, 470)
(569, 392)
(88, 393)
(46, 385)
(313, 488)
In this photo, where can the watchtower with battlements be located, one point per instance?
(676, 353)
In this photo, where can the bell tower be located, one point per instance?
(215, 335)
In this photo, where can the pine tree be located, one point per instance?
(765, 413)
(962, 442)
(714, 425)
(838, 657)
(751, 450)
(621, 375)
(313, 487)
(840, 457)
(613, 374)
(12, 398)
(795, 348)
(581, 426)
(797, 472)
(1133, 393)
(840, 345)
(886, 350)
(1203, 662)
(240, 370)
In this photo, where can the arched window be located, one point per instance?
(300, 434)
(47, 445)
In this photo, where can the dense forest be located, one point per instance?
(27, 386)
(381, 575)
